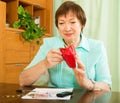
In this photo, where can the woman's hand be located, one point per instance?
(80, 73)
(53, 58)
(85, 82)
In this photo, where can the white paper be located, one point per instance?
(47, 93)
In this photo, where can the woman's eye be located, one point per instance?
(73, 22)
(61, 23)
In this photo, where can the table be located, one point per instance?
(8, 94)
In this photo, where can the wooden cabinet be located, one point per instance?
(16, 55)
(15, 52)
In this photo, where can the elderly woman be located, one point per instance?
(92, 70)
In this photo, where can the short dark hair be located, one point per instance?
(71, 6)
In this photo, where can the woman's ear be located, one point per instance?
(82, 28)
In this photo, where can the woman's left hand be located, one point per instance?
(80, 74)
(85, 82)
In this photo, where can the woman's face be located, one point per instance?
(69, 27)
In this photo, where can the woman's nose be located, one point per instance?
(67, 27)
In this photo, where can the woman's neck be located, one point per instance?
(74, 42)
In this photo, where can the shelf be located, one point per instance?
(14, 29)
(37, 9)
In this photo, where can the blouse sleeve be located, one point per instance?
(102, 67)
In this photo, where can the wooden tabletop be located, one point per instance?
(11, 93)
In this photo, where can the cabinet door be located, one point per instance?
(12, 72)
(16, 49)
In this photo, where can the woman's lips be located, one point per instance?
(68, 34)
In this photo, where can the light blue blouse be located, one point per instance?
(91, 52)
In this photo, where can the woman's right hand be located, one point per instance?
(53, 58)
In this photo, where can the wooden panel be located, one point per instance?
(11, 12)
(41, 15)
(49, 16)
(16, 49)
(12, 72)
(2, 28)
(41, 3)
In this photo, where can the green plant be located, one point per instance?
(32, 31)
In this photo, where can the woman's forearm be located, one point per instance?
(30, 75)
